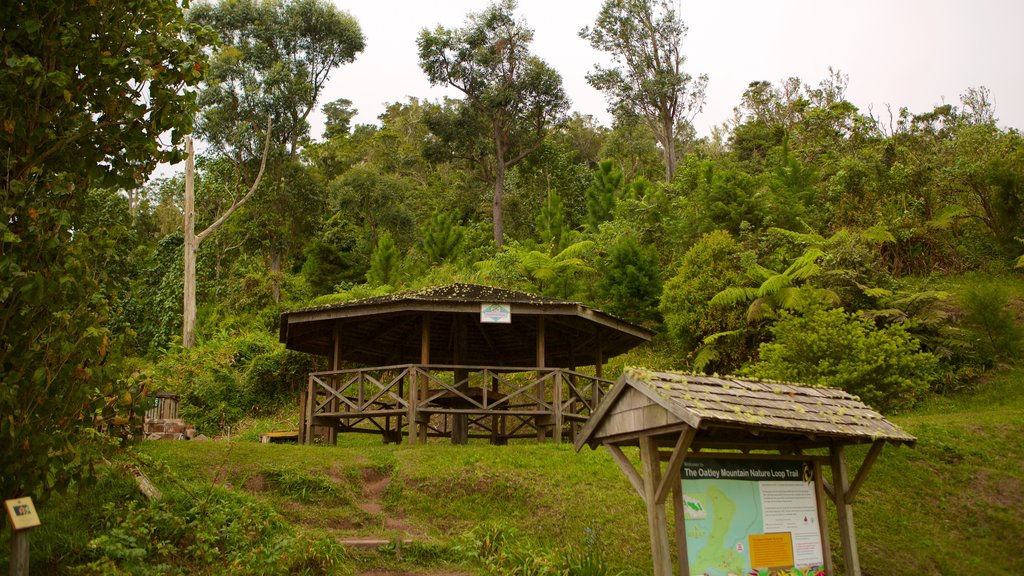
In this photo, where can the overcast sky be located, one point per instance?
(913, 53)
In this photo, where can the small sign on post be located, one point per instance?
(22, 514)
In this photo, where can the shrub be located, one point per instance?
(707, 268)
(274, 377)
(990, 320)
(885, 367)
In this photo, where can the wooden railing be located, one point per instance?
(418, 401)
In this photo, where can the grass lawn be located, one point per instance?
(952, 505)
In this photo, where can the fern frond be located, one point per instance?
(705, 355)
(773, 285)
(759, 273)
(576, 250)
(946, 217)
(806, 265)
(790, 298)
(714, 338)
(733, 296)
(888, 315)
(878, 234)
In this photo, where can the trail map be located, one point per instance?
(748, 517)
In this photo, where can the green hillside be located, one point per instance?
(950, 506)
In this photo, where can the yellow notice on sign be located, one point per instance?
(773, 550)
(22, 513)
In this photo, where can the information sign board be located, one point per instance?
(751, 517)
(22, 513)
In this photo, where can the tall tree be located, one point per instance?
(274, 61)
(86, 91)
(644, 38)
(511, 96)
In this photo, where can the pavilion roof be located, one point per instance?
(385, 330)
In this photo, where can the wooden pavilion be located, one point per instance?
(455, 361)
(675, 417)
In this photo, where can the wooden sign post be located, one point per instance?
(22, 514)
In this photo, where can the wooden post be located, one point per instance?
(819, 498)
(424, 385)
(844, 510)
(413, 401)
(680, 514)
(460, 422)
(495, 420)
(335, 365)
(310, 407)
(541, 424)
(302, 414)
(657, 523)
(19, 553)
(556, 401)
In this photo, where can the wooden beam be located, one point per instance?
(674, 463)
(627, 468)
(753, 456)
(844, 510)
(829, 490)
(862, 472)
(657, 523)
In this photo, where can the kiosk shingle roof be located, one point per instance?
(769, 411)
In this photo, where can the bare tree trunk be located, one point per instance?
(275, 274)
(669, 149)
(499, 188)
(193, 240)
(191, 247)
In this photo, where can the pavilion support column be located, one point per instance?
(334, 365)
(310, 407)
(657, 522)
(460, 422)
(419, 390)
(844, 509)
(303, 392)
(541, 420)
(496, 420)
(411, 416)
(556, 402)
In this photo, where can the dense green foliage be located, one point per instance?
(85, 93)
